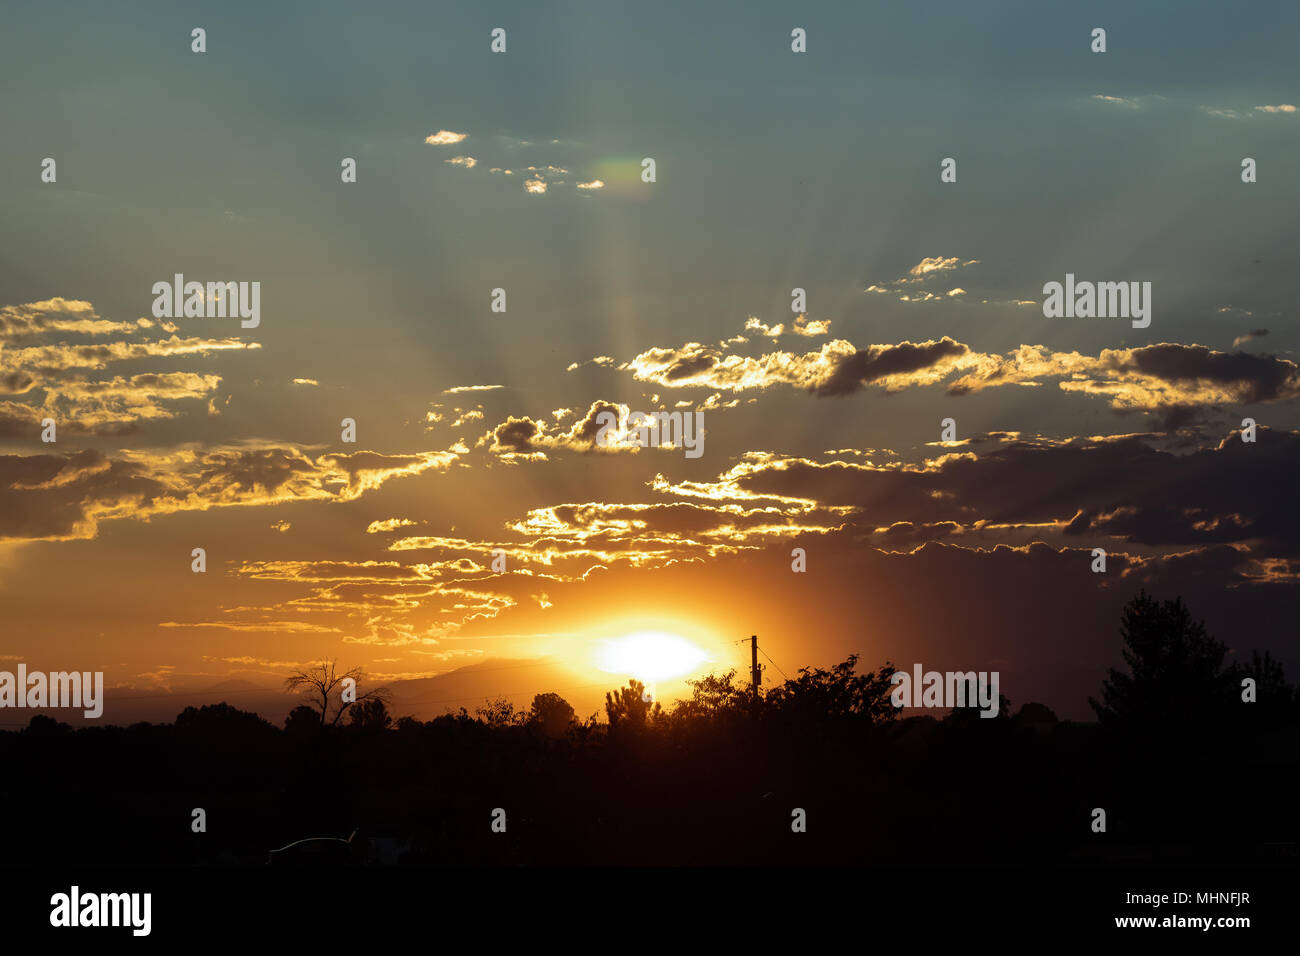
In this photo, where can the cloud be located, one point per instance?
(1117, 101)
(1153, 378)
(269, 627)
(55, 378)
(1224, 113)
(594, 184)
(1249, 337)
(1227, 113)
(305, 381)
(927, 270)
(470, 388)
(536, 186)
(1150, 377)
(801, 327)
(47, 359)
(388, 524)
(318, 571)
(523, 438)
(445, 137)
(1211, 376)
(58, 315)
(894, 366)
(65, 496)
(469, 162)
(1122, 487)
(837, 368)
(603, 360)
(104, 406)
(936, 264)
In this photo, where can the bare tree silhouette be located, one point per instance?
(324, 688)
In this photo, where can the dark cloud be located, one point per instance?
(1253, 378)
(515, 434)
(59, 496)
(868, 365)
(1235, 491)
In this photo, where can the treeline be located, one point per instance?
(1194, 758)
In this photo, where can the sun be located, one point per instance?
(650, 656)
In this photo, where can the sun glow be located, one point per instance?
(650, 656)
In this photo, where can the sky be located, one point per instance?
(476, 429)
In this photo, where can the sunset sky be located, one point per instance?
(475, 429)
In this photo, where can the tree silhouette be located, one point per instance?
(973, 712)
(370, 715)
(1177, 677)
(1036, 714)
(497, 712)
(1275, 700)
(552, 713)
(302, 720)
(818, 694)
(628, 707)
(713, 695)
(221, 718)
(323, 686)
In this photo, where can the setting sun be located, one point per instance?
(650, 656)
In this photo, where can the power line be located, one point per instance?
(774, 663)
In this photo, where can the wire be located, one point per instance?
(774, 663)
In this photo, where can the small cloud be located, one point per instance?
(471, 388)
(1221, 113)
(603, 360)
(1281, 108)
(1117, 101)
(594, 184)
(801, 326)
(305, 381)
(912, 286)
(469, 162)
(280, 526)
(468, 415)
(388, 524)
(445, 137)
(535, 186)
(1252, 334)
(1236, 311)
(934, 264)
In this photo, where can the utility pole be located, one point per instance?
(754, 674)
